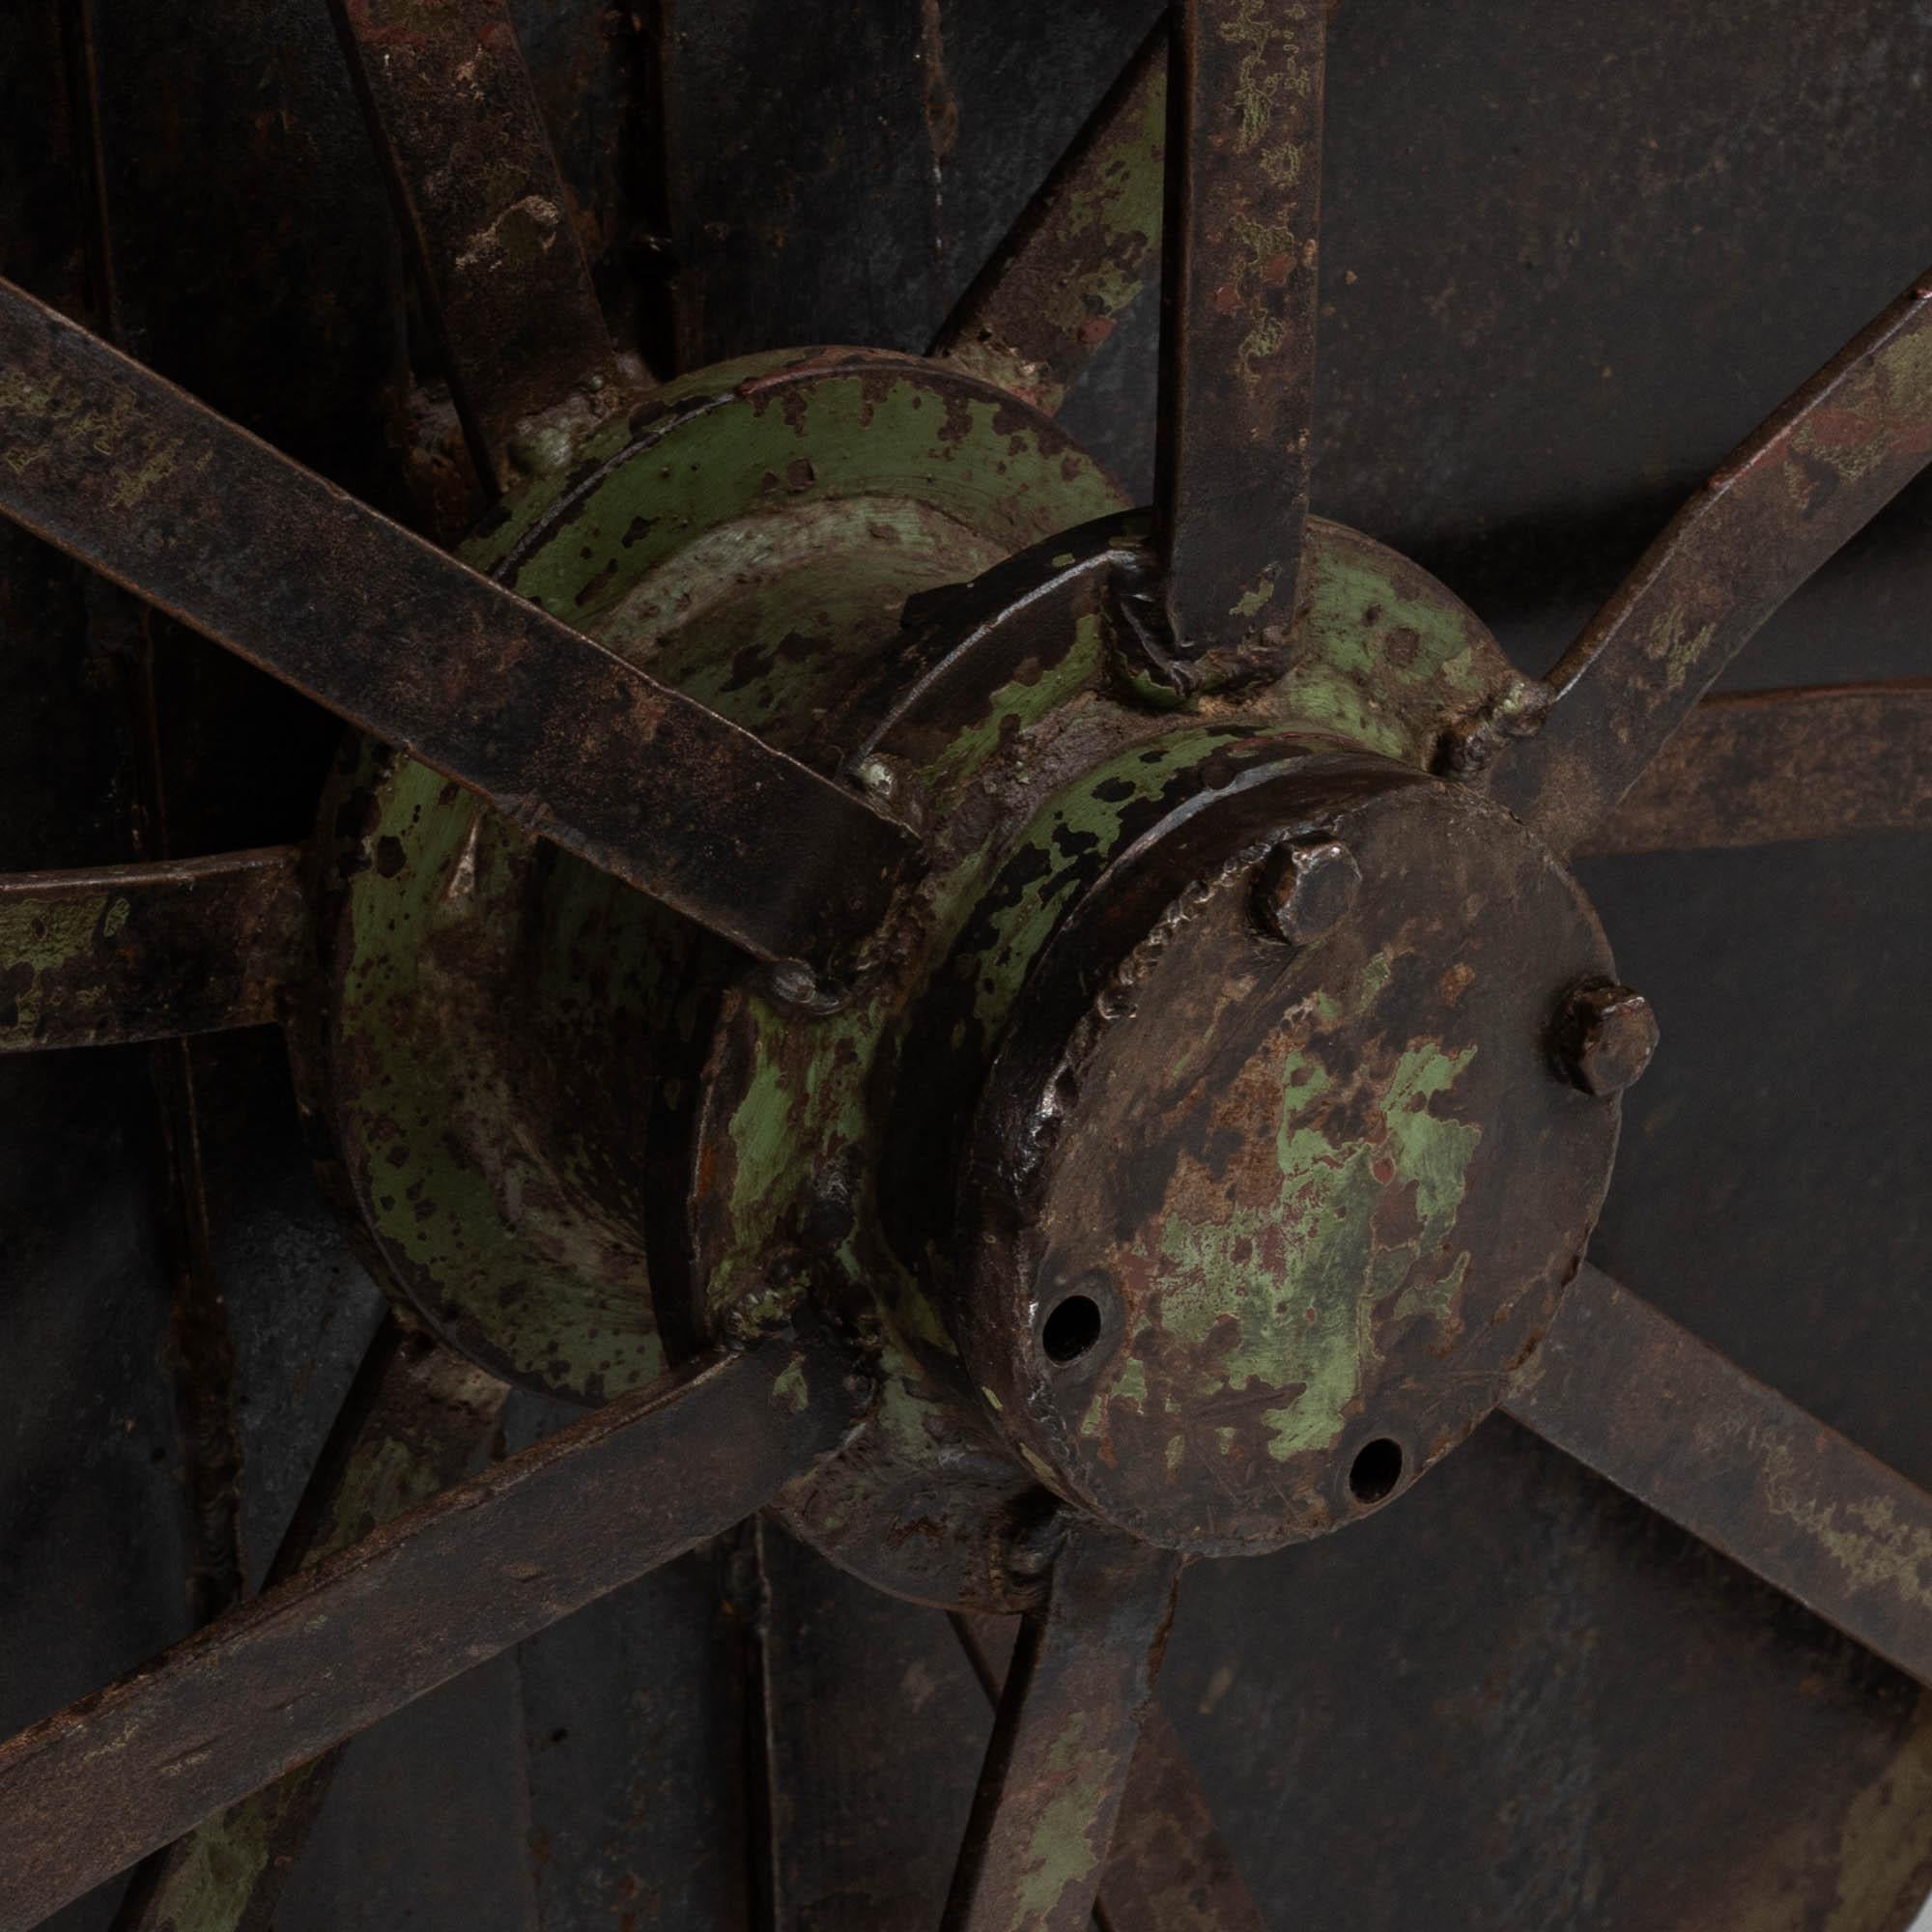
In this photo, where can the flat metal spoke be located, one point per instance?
(1811, 478)
(1758, 767)
(440, 1589)
(483, 208)
(150, 952)
(1664, 1416)
(1084, 252)
(1078, 1691)
(417, 1420)
(104, 459)
(1170, 1869)
(1237, 335)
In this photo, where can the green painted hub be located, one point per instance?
(583, 1137)
(505, 1020)
(1256, 1231)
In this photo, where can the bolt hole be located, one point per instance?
(1376, 1470)
(1071, 1329)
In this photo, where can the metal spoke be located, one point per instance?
(1647, 1406)
(1238, 339)
(1789, 497)
(416, 1421)
(1076, 1693)
(151, 951)
(483, 208)
(1084, 252)
(1170, 1869)
(1756, 767)
(101, 457)
(440, 1589)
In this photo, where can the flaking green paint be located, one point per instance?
(1080, 1771)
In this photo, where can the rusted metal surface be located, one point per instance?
(143, 484)
(982, 736)
(1239, 310)
(853, 1825)
(1170, 1869)
(1764, 767)
(415, 1422)
(1254, 1239)
(488, 223)
(201, 1345)
(1076, 1692)
(1812, 477)
(1606, 1037)
(1644, 1402)
(153, 951)
(1085, 251)
(481, 1153)
(446, 1585)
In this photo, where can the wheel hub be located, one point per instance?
(1262, 1224)
(1160, 1147)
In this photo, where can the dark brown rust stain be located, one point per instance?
(137, 480)
(415, 1422)
(1760, 767)
(1664, 1416)
(1170, 1869)
(484, 212)
(1798, 489)
(438, 1589)
(1080, 256)
(1237, 341)
(1077, 1690)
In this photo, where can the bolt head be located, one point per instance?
(1306, 889)
(1607, 1039)
(876, 777)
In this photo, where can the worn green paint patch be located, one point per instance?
(790, 1391)
(1111, 223)
(449, 1189)
(1292, 1294)
(788, 434)
(1080, 1770)
(223, 1862)
(1383, 657)
(1038, 878)
(760, 618)
(1021, 704)
(40, 939)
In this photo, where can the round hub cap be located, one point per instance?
(1267, 1206)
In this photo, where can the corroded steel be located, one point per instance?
(1661, 1414)
(1758, 767)
(440, 1588)
(1237, 340)
(150, 952)
(136, 479)
(1258, 1234)
(480, 1154)
(486, 214)
(1078, 1687)
(1781, 504)
(992, 704)
(1208, 1129)
(1169, 1869)
(1606, 1037)
(415, 1422)
(1085, 251)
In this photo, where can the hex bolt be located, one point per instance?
(1305, 889)
(1606, 1037)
